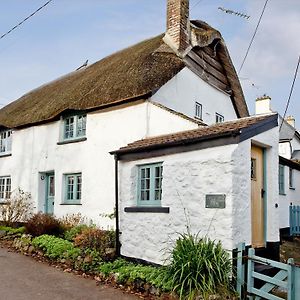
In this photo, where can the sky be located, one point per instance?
(66, 33)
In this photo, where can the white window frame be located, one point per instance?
(5, 188)
(198, 110)
(78, 127)
(5, 142)
(219, 118)
(76, 191)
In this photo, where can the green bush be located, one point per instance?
(71, 234)
(13, 231)
(40, 224)
(56, 248)
(131, 273)
(199, 266)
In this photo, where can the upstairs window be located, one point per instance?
(281, 180)
(198, 110)
(219, 118)
(291, 179)
(73, 183)
(150, 185)
(5, 141)
(5, 188)
(74, 127)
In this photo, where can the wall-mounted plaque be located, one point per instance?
(215, 201)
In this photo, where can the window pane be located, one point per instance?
(78, 196)
(69, 128)
(81, 125)
(2, 188)
(70, 187)
(5, 188)
(8, 188)
(5, 141)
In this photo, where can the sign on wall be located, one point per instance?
(215, 201)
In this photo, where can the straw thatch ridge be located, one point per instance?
(132, 73)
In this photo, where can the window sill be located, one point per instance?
(3, 202)
(5, 154)
(147, 209)
(72, 141)
(73, 203)
(292, 188)
(282, 194)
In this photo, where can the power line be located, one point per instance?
(291, 92)
(252, 39)
(197, 3)
(19, 24)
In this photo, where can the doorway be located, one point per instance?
(50, 193)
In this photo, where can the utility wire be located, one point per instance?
(252, 39)
(19, 24)
(291, 92)
(197, 3)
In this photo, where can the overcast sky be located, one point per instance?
(63, 35)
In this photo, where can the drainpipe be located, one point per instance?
(118, 244)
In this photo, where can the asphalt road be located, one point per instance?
(23, 278)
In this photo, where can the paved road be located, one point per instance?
(23, 278)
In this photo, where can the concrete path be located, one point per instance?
(23, 278)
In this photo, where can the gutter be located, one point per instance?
(118, 244)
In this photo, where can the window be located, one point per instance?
(150, 184)
(291, 178)
(219, 118)
(198, 110)
(281, 180)
(5, 141)
(5, 188)
(74, 127)
(253, 168)
(73, 184)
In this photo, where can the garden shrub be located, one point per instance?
(96, 239)
(40, 224)
(17, 209)
(131, 273)
(199, 266)
(56, 248)
(74, 231)
(72, 220)
(13, 231)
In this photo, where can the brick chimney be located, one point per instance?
(178, 26)
(291, 121)
(263, 105)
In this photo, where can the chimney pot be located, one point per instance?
(263, 105)
(291, 120)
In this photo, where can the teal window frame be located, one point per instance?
(149, 185)
(74, 127)
(281, 180)
(5, 141)
(5, 188)
(291, 179)
(73, 188)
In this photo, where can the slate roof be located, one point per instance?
(219, 130)
(135, 72)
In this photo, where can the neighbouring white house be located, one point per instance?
(289, 164)
(55, 140)
(218, 181)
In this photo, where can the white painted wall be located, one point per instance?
(291, 196)
(184, 89)
(285, 149)
(35, 151)
(187, 178)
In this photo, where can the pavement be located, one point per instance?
(23, 278)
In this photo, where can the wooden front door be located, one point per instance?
(50, 193)
(257, 197)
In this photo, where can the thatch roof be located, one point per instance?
(130, 74)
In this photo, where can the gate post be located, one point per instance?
(291, 279)
(240, 273)
(250, 279)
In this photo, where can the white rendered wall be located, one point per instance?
(35, 151)
(242, 187)
(187, 178)
(184, 89)
(291, 197)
